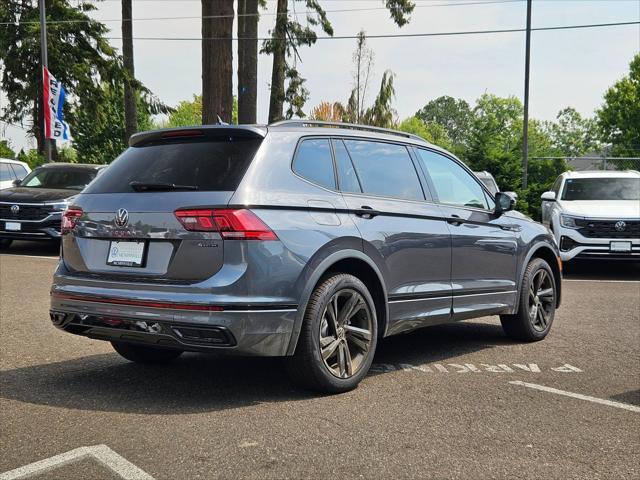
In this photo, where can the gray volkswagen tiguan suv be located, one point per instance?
(299, 239)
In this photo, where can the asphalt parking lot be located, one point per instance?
(455, 401)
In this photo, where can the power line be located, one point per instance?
(198, 17)
(400, 35)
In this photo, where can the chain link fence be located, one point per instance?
(596, 162)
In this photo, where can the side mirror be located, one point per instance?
(504, 202)
(513, 195)
(16, 182)
(548, 196)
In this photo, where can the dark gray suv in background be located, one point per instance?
(299, 239)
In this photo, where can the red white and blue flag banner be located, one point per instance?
(54, 125)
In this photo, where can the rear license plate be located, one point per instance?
(13, 226)
(126, 254)
(620, 246)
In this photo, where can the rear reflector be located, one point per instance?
(232, 224)
(70, 218)
(139, 303)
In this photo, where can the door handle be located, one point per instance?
(454, 220)
(366, 211)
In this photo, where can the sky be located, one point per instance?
(568, 67)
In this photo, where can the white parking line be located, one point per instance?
(624, 406)
(27, 256)
(598, 281)
(103, 454)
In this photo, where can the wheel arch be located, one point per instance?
(550, 255)
(353, 262)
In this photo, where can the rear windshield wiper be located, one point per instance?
(145, 187)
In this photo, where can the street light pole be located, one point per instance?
(525, 130)
(44, 63)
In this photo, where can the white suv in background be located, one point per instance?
(10, 171)
(595, 214)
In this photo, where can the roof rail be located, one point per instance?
(348, 126)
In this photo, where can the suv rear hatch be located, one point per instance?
(125, 226)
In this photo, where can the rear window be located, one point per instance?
(208, 165)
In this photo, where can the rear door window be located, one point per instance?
(385, 169)
(347, 177)
(207, 165)
(314, 162)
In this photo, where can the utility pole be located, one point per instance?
(525, 130)
(44, 63)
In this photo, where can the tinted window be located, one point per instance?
(601, 189)
(385, 169)
(347, 177)
(453, 184)
(19, 171)
(313, 161)
(556, 185)
(209, 165)
(59, 178)
(5, 172)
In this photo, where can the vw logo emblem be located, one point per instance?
(620, 226)
(15, 209)
(122, 218)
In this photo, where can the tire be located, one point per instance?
(143, 354)
(537, 306)
(5, 243)
(348, 343)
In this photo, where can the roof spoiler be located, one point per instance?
(207, 131)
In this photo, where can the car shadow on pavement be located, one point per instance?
(196, 383)
(42, 248)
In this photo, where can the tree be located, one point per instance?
(247, 60)
(363, 61)
(6, 151)
(572, 135)
(381, 113)
(31, 157)
(432, 132)
(495, 145)
(454, 115)
(189, 112)
(79, 54)
(288, 35)
(130, 103)
(328, 112)
(99, 135)
(217, 60)
(619, 116)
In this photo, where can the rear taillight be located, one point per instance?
(240, 224)
(70, 218)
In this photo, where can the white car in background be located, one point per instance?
(12, 170)
(595, 214)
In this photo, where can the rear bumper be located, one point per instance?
(235, 329)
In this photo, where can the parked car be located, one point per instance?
(32, 208)
(595, 215)
(488, 181)
(10, 171)
(294, 240)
